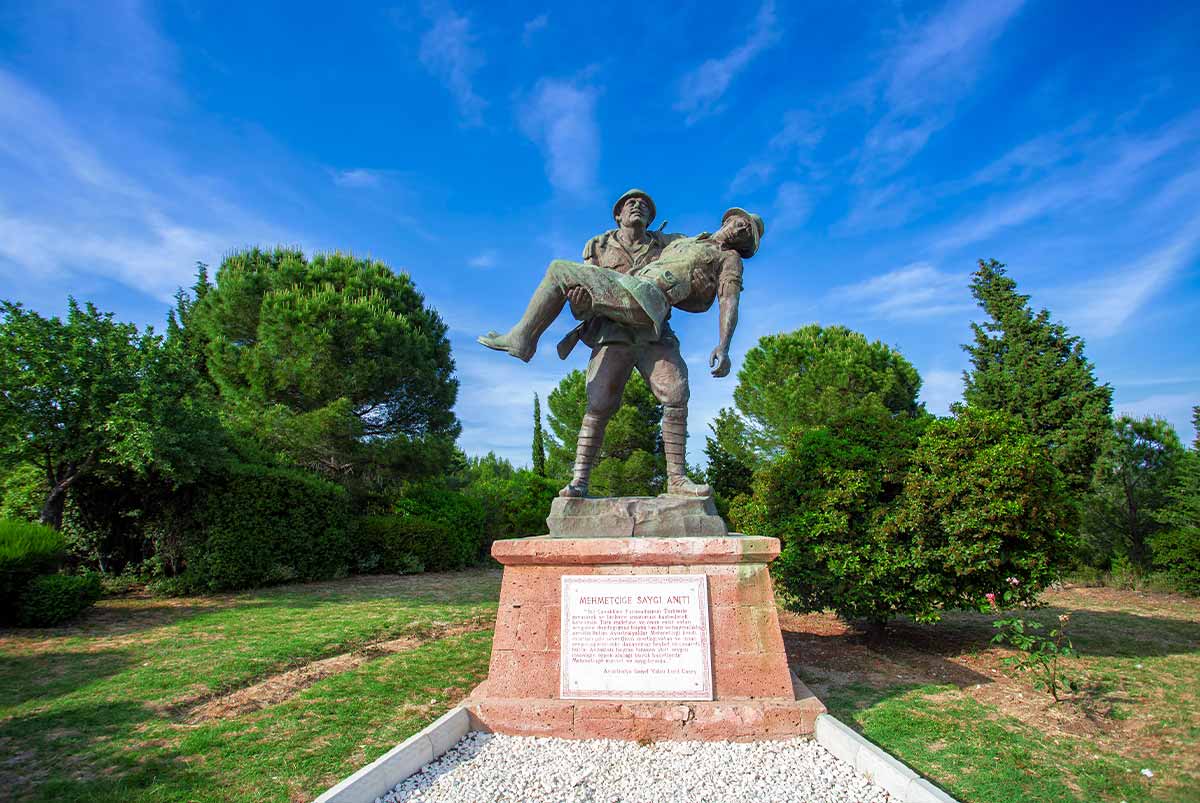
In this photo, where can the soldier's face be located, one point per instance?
(635, 210)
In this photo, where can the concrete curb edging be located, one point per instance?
(876, 765)
(406, 758)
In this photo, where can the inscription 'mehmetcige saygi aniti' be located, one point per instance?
(635, 637)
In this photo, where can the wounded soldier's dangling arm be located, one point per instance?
(729, 290)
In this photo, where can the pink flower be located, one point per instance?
(1014, 582)
(991, 598)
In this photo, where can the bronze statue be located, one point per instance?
(623, 293)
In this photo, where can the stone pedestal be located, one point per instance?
(755, 694)
(634, 516)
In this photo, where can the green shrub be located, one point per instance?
(56, 598)
(879, 518)
(516, 506)
(26, 551)
(259, 525)
(393, 544)
(463, 520)
(22, 493)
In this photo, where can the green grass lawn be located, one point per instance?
(107, 710)
(938, 698)
(100, 712)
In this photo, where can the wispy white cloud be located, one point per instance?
(497, 415)
(560, 116)
(1102, 308)
(533, 27)
(358, 178)
(449, 53)
(701, 90)
(798, 135)
(485, 260)
(928, 72)
(1113, 166)
(792, 206)
(66, 207)
(913, 292)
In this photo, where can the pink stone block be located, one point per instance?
(756, 697)
(751, 675)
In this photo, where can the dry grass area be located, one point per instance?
(271, 695)
(275, 694)
(939, 697)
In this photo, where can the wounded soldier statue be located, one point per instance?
(689, 274)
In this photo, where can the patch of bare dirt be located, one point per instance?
(285, 685)
(830, 655)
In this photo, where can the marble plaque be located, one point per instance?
(635, 637)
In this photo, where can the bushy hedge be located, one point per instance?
(258, 525)
(881, 516)
(26, 551)
(462, 518)
(56, 598)
(516, 506)
(393, 544)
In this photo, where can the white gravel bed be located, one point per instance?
(484, 767)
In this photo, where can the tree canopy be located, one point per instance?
(1134, 473)
(89, 394)
(804, 379)
(1030, 367)
(335, 362)
(630, 462)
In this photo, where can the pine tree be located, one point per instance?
(539, 440)
(1029, 366)
(1177, 547)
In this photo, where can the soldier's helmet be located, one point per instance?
(757, 228)
(634, 193)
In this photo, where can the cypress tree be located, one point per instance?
(539, 440)
(1029, 366)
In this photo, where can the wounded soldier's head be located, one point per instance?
(742, 231)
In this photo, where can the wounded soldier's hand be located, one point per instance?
(581, 302)
(719, 362)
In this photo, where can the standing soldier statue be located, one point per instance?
(623, 293)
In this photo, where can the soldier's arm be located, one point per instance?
(591, 251)
(729, 291)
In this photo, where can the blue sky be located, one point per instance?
(887, 145)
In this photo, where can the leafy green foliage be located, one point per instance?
(27, 549)
(1176, 546)
(516, 506)
(1133, 476)
(22, 493)
(807, 378)
(882, 515)
(391, 544)
(462, 517)
(258, 525)
(53, 599)
(1039, 653)
(333, 363)
(730, 461)
(88, 395)
(630, 461)
(826, 498)
(981, 507)
(1030, 367)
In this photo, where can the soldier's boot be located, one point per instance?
(521, 341)
(591, 436)
(674, 436)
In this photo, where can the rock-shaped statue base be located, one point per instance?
(624, 516)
